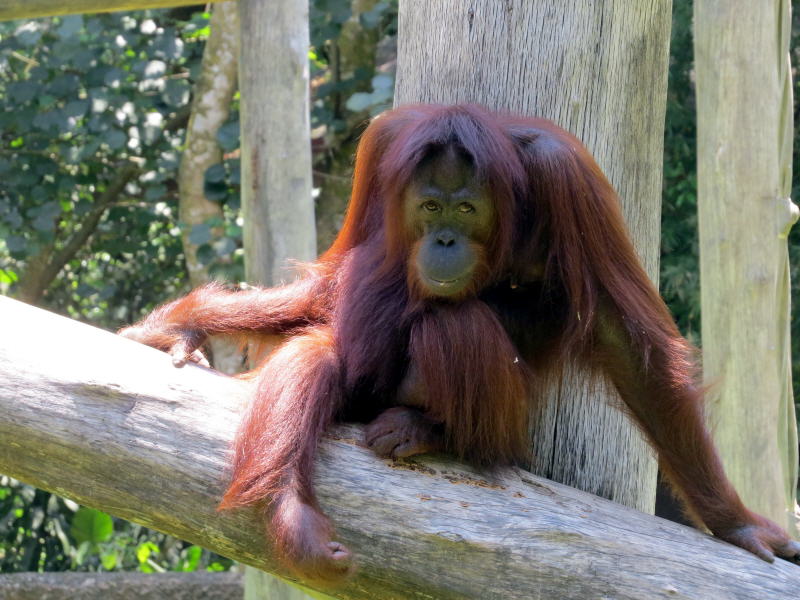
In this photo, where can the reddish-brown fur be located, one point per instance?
(559, 277)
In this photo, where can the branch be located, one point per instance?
(111, 424)
(125, 174)
(45, 266)
(88, 225)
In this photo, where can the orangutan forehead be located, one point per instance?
(448, 168)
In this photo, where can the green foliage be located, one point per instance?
(349, 80)
(83, 101)
(376, 101)
(680, 270)
(42, 532)
(82, 98)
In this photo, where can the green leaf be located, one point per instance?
(8, 276)
(109, 560)
(63, 86)
(168, 46)
(372, 18)
(224, 246)
(359, 101)
(113, 77)
(29, 33)
(205, 254)
(90, 525)
(76, 108)
(155, 192)
(45, 216)
(70, 25)
(84, 290)
(228, 136)
(12, 217)
(15, 243)
(216, 192)
(115, 139)
(214, 186)
(143, 551)
(191, 558)
(176, 92)
(383, 82)
(200, 234)
(236, 172)
(215, 173)
(23, 91)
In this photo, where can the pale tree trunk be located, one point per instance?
(744, 158)
(276, 167)
(210, 109)
(276, 151)
(600, 71)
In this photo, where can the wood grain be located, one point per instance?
(277, 205)
(112, 424)
(744, 180)
(598, 69)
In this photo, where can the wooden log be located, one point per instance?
(111, 424)
(32, 9)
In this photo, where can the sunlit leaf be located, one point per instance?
(90, 525)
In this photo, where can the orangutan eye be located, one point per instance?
(430, 206)
(465, 207)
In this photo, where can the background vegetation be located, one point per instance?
(92, 118)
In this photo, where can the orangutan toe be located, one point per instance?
(401, 431)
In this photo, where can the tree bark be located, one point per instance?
(111, 424)
(210, 109)
(600, 71)
(31, 9)
(744, 171)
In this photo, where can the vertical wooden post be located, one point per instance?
(599, 70)
(276, 140)
(277, 205)
(744, 168)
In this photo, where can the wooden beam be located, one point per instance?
(111, 424)
(32, 9)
